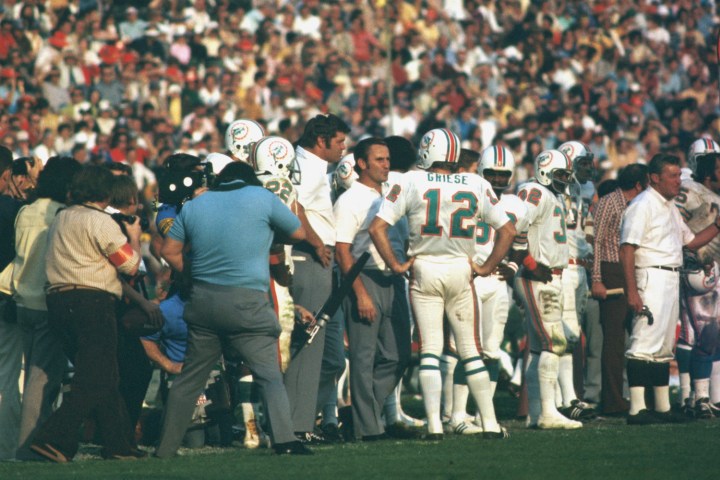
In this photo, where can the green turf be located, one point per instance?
(604, 449)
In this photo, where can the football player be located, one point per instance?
(574, 278)
(443, 209)
(696, 350)
(239, 137)
(544, 254)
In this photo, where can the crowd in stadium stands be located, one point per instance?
(136, 81)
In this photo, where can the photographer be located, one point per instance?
(86, 251)
(134, 368)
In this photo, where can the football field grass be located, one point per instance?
(606, 449)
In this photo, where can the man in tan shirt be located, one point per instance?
(86, 250)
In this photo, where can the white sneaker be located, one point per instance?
(464, 428)
(410, 421)
(557, 421)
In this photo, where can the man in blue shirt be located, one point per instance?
(230, 230)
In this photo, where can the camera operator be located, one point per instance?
(86, 251)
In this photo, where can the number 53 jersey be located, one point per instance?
(443, 211)
(546, 238)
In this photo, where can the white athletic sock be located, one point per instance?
(662, 398)
(565, 379)
(447, 369)
(431, 383)
(685, 387)
(459, 406)
(532, 380)
(548, 373)
(637, 399)
(715, 383)
(478, 381)
(702, 388)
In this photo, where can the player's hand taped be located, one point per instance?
(542, 273)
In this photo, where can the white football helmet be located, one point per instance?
(438, 145)
(548, 164)
(497, 158)
(218, 161)
(700, 148)
(240, 135)
(699, 282)
(273, 156)
(345, 174)
(576, 151)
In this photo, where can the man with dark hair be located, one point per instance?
(86, 251)
(378, 327)
(230, 273)
(651, 241)
(607, 274)
(468, 161)
(45, 361)
(11, 345)
(317, 365)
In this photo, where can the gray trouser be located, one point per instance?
(45, 364)
(379, 350)
(312, 285)
(240, 323)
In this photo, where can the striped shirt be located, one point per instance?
(608, 216)
(82, 241)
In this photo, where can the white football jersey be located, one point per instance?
(546, 238)
(516, 211)
(698, 206)
(282, 187)
(577, 212)
(443, 211)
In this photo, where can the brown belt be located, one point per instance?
(556, 271)
(68, 288)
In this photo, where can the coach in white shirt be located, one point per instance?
(322, 142)
(377, 322)
(651, 241)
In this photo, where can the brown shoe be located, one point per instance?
(49, 452)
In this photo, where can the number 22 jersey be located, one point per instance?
(443, 211)
(546, 238)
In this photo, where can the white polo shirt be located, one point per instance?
(354, 210)
(314, 194)
(656, 227)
